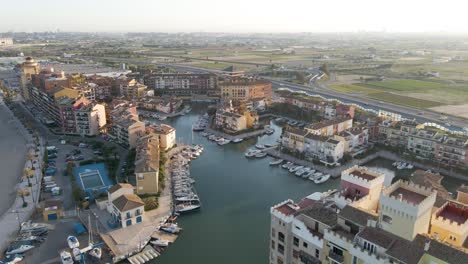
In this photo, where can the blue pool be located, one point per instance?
(93, 179)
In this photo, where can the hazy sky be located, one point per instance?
(235, 15)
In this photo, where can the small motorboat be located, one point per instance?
(287, 165)
(322, 179)
(260, 146)
(237, 140)
(171, 228)
(224, 142)
(276, 162)
(187, 207)
(261, 154)
(160, 243)
(19, 249)
(96, 252)
(29, 226)
(12, 259)
(73, 242)
(77, 254)
(295, 168)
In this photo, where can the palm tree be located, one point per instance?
(22, 193)
(28, 173)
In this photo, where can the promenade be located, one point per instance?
(15, 213)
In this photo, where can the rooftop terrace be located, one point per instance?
(408, 195)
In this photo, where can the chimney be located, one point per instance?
(427, 245)
(400, 197)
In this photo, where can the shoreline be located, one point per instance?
(13, 153)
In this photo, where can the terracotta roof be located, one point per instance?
(378, 236)
(434, 181)
(286, 209)
(322, 213)
(408, 195)
(405, 251)
(128, 202)
(326, 123)
(118, 186)
(356, 215)
(442, 251)
(362, 174)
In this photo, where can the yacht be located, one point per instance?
(322, 179)
(260, 154)
(73, 242)
(187, 207)
(29, 226)
(190, 198)
(19, 249)
(260, 146)
(276, 162)
(287, 165)
(295, 168)
(251, 153)
(171, 228)
(224, 142)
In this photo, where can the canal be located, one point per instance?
(232, 226)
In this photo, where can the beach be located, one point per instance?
(12, 159)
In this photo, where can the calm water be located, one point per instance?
(236, 194)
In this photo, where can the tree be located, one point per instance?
(22, 193)
(27, 174)
(300, 77)
(324, 68)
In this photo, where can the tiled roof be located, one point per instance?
(128, 202)
(378, 236)
(442, 251)
(322, 213)
(405, 251)
(118, 186)
(356, 215)
(328, 123)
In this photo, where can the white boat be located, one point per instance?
(19, 249)
(29, 226)
(260, 146)
(260, 155)
(251, 153)
(182, 208)
(287, 165)
(224, 142)
(171, 228)
(409, 166)
(204, 134)
(237, 140)
(73, 242)
(66, 257)
(76, 254)
(300, 172)
(401, 166)
(160, 243)
(294, 169)
(189, 198)
(322, 179)
(96, 252)
(12, 259)
(276, 162)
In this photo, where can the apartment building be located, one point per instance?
(166, 135)
(81, 116)
(332, 111)
(355, 139)
(131, 89)
(28, 68)
(165, 105)
(6, 41)
(330, 127)
(422, 143)
(245, 90)
(306, 103)
(232, 121)
(147, 164)
(125, 127)
(325, 149)
(183, 84)
(128, 209)
(452, 151)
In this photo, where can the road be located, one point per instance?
(456, 123)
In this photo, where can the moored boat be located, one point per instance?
(237, 140)
(261, 154)
(96, 252)
(276, 162)
(73, 242)
(66, 257)
(322, 179)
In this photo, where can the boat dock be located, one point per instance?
(147, 254)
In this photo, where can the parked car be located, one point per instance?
(83, 145)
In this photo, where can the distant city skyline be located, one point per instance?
(243, 16)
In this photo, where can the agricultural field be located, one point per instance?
(414, 93)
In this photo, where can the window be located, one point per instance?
(296, 241)
(317, 253)
(273, 232)
(354, 260)
(387, 219)
(273, 244)
(129, 215)
(280, 236)
(280, 248)
(304, 244)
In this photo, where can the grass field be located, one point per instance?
(414, 93)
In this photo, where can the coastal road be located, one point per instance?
(456, 123)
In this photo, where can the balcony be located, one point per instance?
(335, 258)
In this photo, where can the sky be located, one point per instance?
(244, 16)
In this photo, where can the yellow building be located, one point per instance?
(28, 68)
(462, 194)
(449, 223)
(147, 164)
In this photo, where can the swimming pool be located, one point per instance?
(93, 179)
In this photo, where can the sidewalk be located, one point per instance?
(11, 219)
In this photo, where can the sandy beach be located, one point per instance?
(12, 159)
